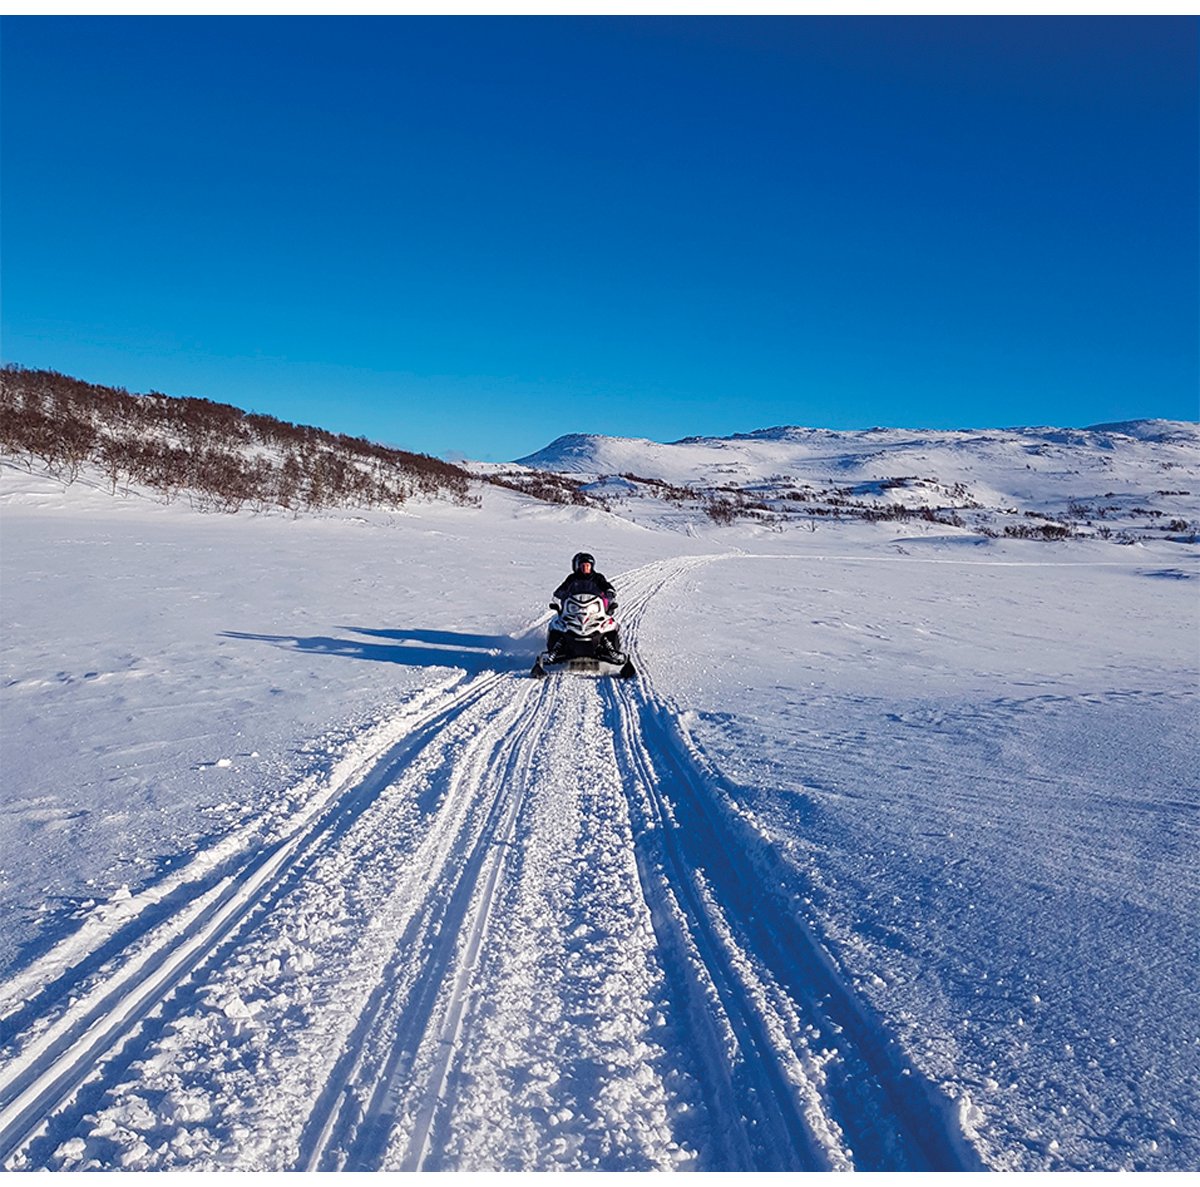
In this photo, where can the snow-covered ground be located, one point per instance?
(887, 860)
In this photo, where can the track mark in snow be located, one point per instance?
(425, 1022)
(749, 1077)
(820, 1076)
(529, 1032)
(531, 930)
(571, 1060)
(46, 1069)
(111, 927)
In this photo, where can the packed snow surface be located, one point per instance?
(887, 859)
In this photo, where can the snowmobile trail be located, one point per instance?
(818, 1081)
(394, 1031)
(530, 930)
(87, 1018)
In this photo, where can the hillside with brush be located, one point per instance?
(215, 455)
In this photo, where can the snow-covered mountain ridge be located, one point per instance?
(1147, 429)
(1137, 477)
(592, 451)
(881, 453)
(1126, 481)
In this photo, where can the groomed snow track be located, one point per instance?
(530, 930)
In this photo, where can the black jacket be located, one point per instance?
(593, 583)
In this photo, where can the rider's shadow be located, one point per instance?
(411, 648)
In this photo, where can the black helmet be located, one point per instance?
(579, 558)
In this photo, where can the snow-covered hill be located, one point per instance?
(887, 861)
(879, 453)
(1137, 478)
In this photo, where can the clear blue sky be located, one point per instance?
(474, 234)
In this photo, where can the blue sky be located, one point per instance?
(469, 235)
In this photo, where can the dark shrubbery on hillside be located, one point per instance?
(545, 485)
(1041, 531)
(221, 457)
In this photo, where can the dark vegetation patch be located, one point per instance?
(216, 455)
(546, 485)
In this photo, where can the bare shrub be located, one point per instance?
(722, 511)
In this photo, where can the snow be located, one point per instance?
(998, 833)
(1107, 475)
(888, 860)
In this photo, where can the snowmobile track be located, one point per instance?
(375, 1080)
(51, 1067)
(756, 1086)
(793, 1071)
(870, 1100)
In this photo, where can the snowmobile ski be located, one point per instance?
(583, 640)
(617, 665)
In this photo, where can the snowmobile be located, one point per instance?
(583, 632)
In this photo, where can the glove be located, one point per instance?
(555, 606)
(611, 607)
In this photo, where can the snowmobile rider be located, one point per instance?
(584, 580)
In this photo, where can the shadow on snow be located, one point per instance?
(412, 648)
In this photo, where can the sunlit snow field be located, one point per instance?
(985, 765)
(976, 758)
